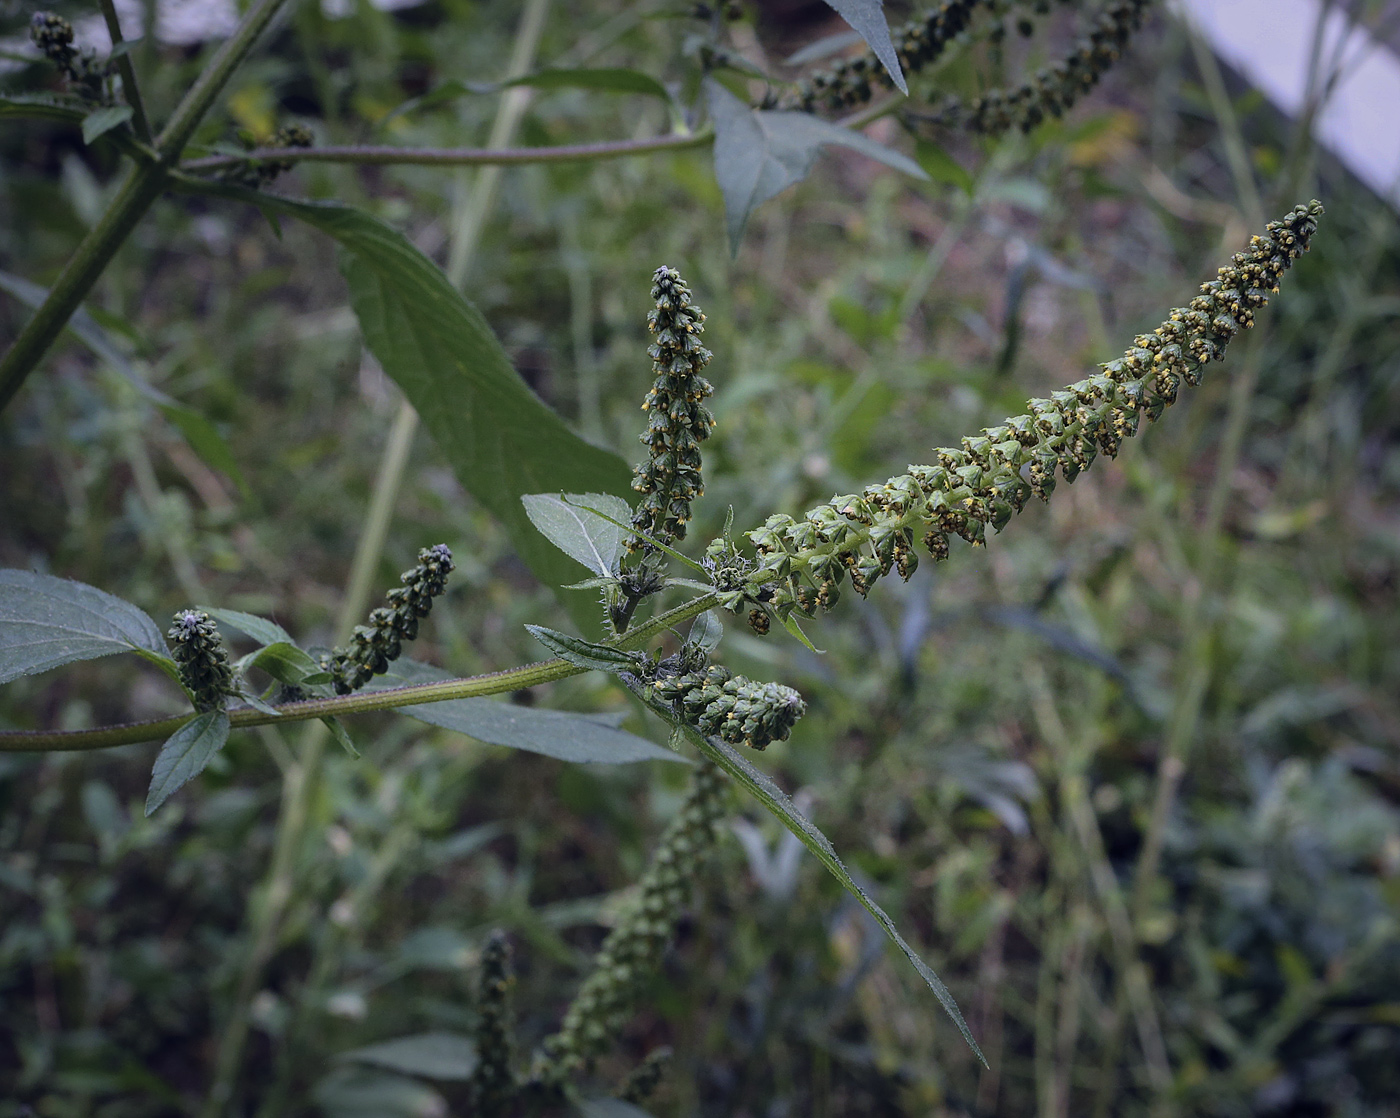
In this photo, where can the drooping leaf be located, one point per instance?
(586, 654)
(103, 120)
(867, 17)
(761, 152)
(443, 1056)
(259, 628)
(608, 1107)
(942, 167)
(185, 754)
(577, 532)
(341, 735)
(46, 622)
(500, 439)
(776, 802)
(578, 738)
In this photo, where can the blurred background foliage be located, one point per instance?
(984, 744)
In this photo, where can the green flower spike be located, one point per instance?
(86, 76)
(716, 701)
(918, 43)
(199, 650)
(801, 563)
(258, 174)
(670, 477)
(493, 1082)
(1054, 89)
(374, 646)
(634, 947)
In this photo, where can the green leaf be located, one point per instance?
(706, 631)
(942, 167)
(369, 1093)
(580, 534)
(867, 18)
(205, 441)
(341, 735)
(184, 755)
(500, 439)
(608, 1107)
(102, 121)
(283, 661)
(256, 701)
(609, 80)
(791, 625)
(46, 622)
(259, 628)
(587, 739)
(444, 1056)
(776, 801)
(43, 106)
(585, 654)
(759, 153)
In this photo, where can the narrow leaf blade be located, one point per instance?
(867, 18)
(341, 735)
(259, 628)
(585, 654)
(46, 622)
(185, 754)
(102, 121)
(441, 1056)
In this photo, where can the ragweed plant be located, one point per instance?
(507, 446)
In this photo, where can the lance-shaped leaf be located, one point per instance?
(585, 654)
(102, 121)
(185, 754)
(46, 622)
(759, 152)
(567, 522)
(867, 18)
(500, 438)
(441, 1056)
(776, 801)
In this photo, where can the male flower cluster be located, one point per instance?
(738, 710)
(199, 651)
(86, 76)
(801, 563)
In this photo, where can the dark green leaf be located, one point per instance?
(942, 167)
(185, 754)
(257, 702)
(368, 1093)
(259, 628)
(205, 441)
(585, 654)
(867, 17)
(759, 153)
(500, 439)
(283, 661)
(580, 534)
(46, 622)
(43, 106)
(342, 737)
(705, 632)
(612, 80)
(444, 1056)
(776, 801)
(102, 121)
(791, 625)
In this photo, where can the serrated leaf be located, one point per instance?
(499, 437)
(284, 662)
(341, 735)
(443, 1056)
(589, 739)
(185, 754)
(777, 803)
(706, 631)
(205, 441)
(608, 1107)
(585, 654)
(867, 18)
(46, 622)
(760, 152)
(259, 628)
(102, 121)
(578, 532)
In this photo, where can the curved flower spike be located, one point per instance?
(802, 563)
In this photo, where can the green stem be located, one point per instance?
(207, 87)
(382, 154)
(128, 73)
(142, 187)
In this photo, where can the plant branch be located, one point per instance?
(363, 702)
(384, 154)
(128, 73)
